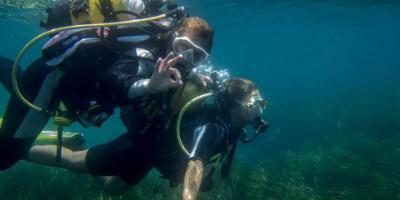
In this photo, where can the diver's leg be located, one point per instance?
(35, 121)
(128, 162)
(126, 158)
(20, 125)
(114, 185)
(74, 161)
(9, 147)
(5, 72)
(46, 155)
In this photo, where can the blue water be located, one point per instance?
(309, 52)
(331, 56)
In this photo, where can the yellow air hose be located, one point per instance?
(56, 30)
(180, 116)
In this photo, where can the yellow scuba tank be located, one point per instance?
(181, 97)
(75, 12)
(175, 102)
(1, 122)
(189, 91)
(97, 9)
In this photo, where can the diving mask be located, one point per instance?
(254, 106)
(191, 52)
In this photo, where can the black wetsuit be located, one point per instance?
(92, 73)
(132, 155)
(5, 73)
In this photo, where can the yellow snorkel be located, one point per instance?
(56, 30)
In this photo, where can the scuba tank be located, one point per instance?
(74, 12)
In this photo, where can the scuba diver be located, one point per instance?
(211, 130)
(95, 74)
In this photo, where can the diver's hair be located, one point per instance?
(199, 30)
(234, 89)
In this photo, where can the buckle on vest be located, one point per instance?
(103, 32)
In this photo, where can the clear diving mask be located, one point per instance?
(255, 107)
(191, 52)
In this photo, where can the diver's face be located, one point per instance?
(185, 66)
(250, 109)
(192, 53)
(191, 50)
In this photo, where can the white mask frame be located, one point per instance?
(193, 53)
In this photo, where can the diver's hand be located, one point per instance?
(165, 76)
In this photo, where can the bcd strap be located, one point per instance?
(65, 40)
(61, 120)
(107, 11)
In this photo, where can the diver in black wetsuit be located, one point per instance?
(102, 74)
(212, 130)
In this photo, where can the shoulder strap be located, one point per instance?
(107, 10)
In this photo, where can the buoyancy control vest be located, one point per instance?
(64, 44)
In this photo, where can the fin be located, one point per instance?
(71, 140)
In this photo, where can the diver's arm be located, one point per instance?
(193, 178)
(122, 79)
(165, 76)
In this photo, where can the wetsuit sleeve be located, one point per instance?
(208, 140)
(121, 78)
